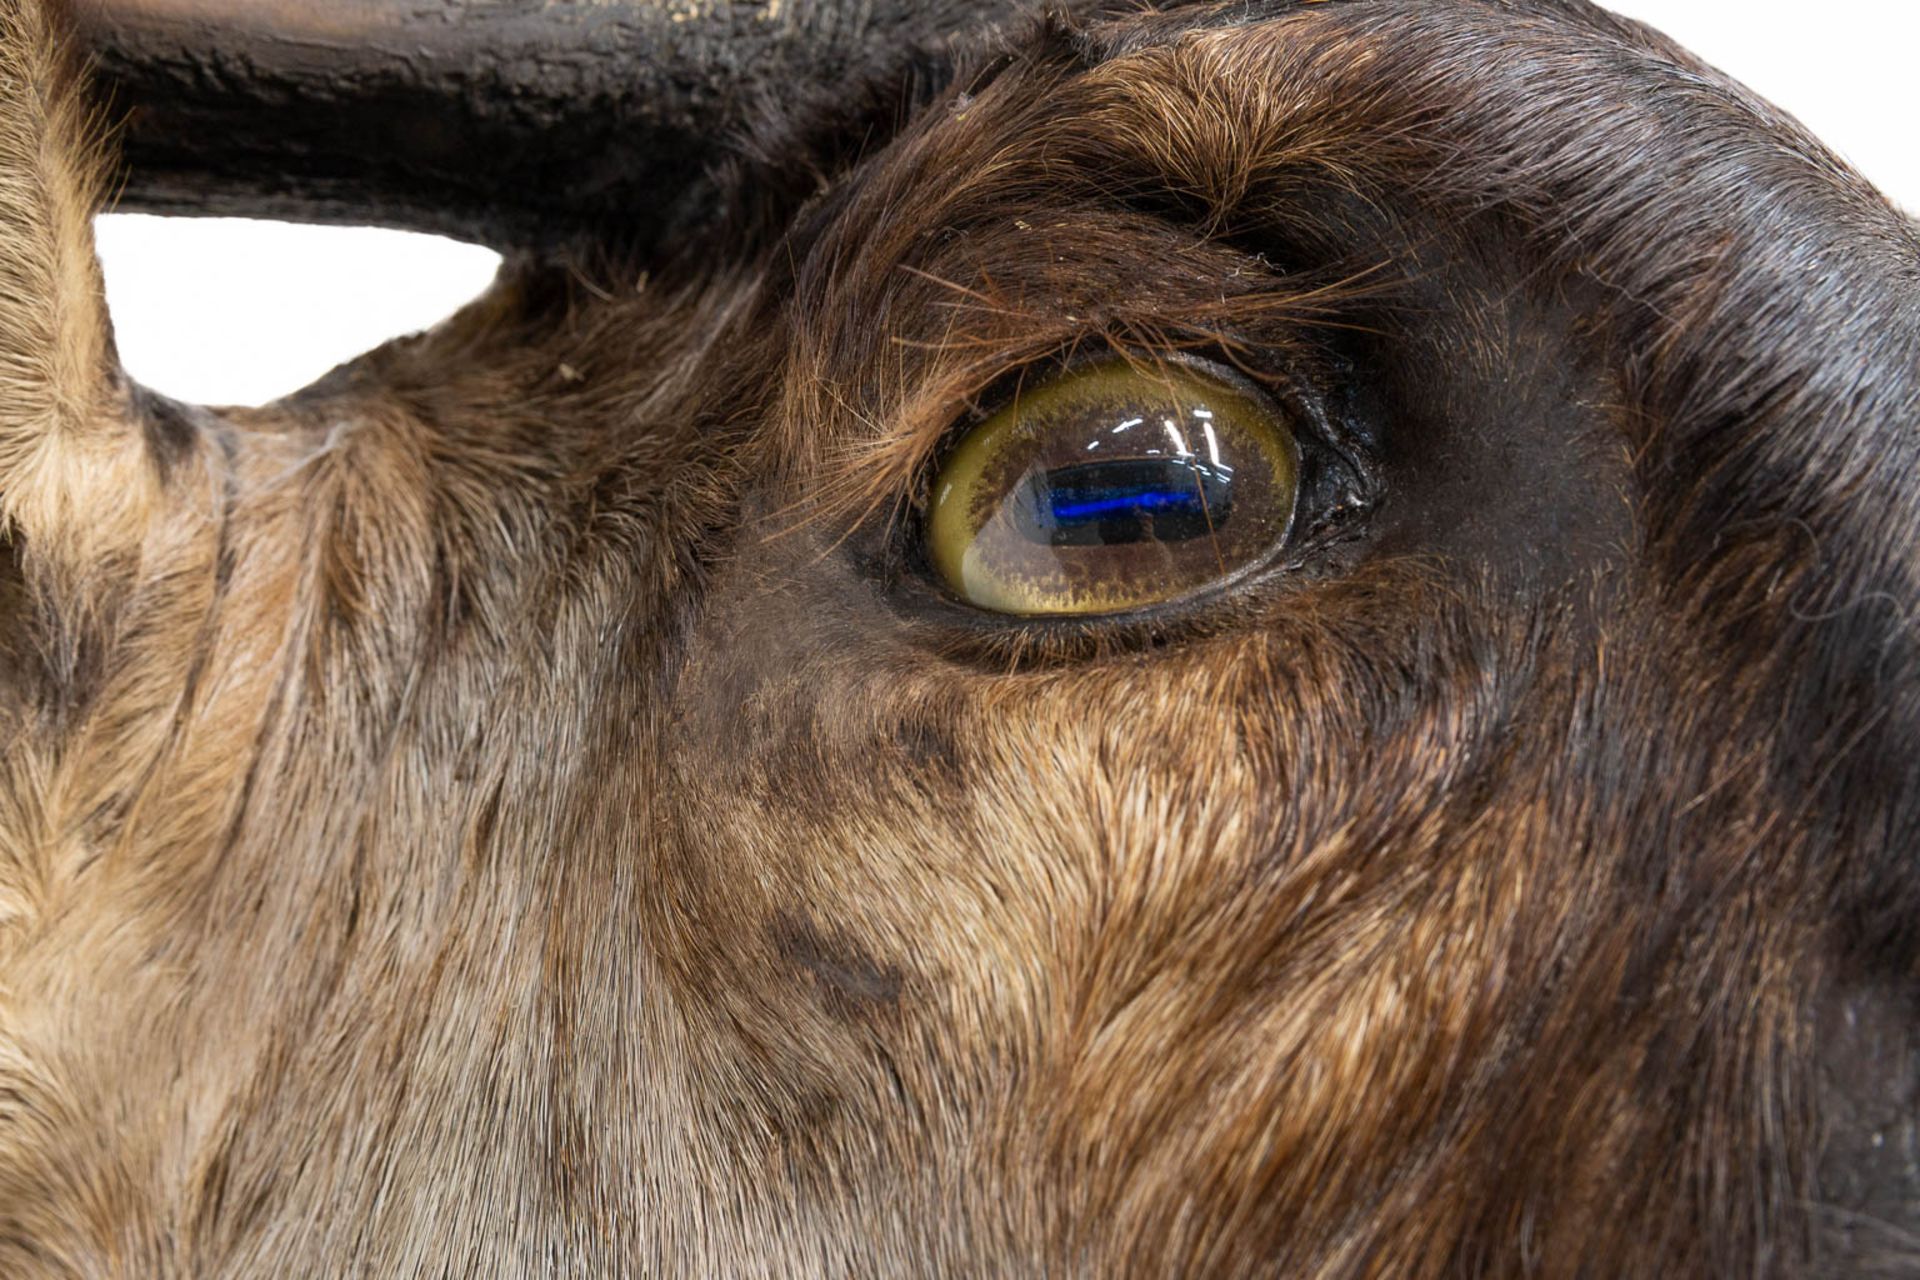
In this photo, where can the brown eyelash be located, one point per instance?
(991, 338)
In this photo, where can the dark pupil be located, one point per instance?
(1101, 504)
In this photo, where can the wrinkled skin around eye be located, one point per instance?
(1110, 488)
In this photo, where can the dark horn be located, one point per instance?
(517, 123)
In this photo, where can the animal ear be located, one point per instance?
(71, 470)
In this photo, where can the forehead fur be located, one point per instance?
(523, 811)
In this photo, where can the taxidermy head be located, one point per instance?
(1145, 639)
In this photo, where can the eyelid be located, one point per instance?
(1001, 391)
(1339, 487)
(1217, 358)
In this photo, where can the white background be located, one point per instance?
(235, 312)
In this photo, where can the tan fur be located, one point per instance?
(57, 449)
(508, 811)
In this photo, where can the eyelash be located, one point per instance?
(1338, 490)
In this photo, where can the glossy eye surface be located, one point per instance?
(1110, 488)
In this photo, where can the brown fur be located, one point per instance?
(518, 807)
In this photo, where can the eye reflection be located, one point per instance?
(1124, 500)
(1110, 488)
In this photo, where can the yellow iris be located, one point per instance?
(1110, 488)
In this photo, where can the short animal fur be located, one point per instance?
(515, 808)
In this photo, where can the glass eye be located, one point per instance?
(1112, 487)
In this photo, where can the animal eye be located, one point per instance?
(1112, 487)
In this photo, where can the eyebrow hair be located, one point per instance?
(778, 179)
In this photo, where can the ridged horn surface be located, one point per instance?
(512, 122)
